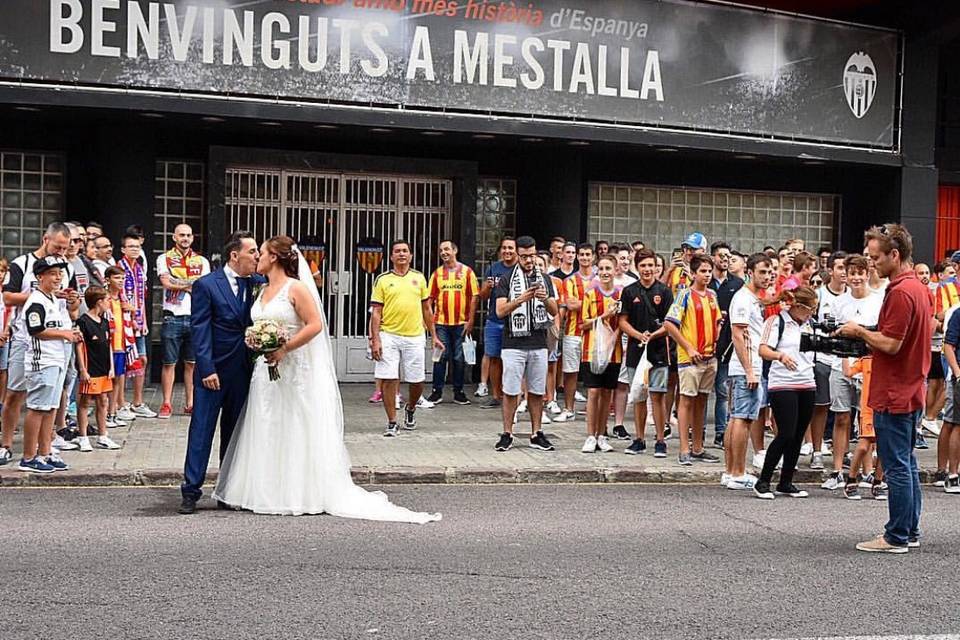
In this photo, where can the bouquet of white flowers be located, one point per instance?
(266, 336)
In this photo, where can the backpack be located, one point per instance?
(766, 363)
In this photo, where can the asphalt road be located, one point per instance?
(620, 561)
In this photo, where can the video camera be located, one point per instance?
(822, 340)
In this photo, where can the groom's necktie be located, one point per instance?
(241, 289)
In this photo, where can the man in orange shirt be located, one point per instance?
(453, 291)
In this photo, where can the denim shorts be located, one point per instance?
(746, 401)
(657, 381)
(492, 339)
(44, 388)
(141, 347)
(4, 356)
(177, 343)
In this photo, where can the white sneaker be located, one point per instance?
(834, 482)
(104, 442)
(423, 403)
(589, 445)
(825, 450)
(64, 445)
(85, 444)
(126, 414)
(544, 418)
(143, 411)
(603, 444)
(742, 483)
(806, 449)
(566, 416)
(759, 458)
(579, 397)
(482, 391)
(932, 427)
(725, 479)
(114, 421)
(554, 408)
(522, 407)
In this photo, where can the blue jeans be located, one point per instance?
(721, 411)
(896, 436)
(452, 338)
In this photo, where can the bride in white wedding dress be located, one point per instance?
(287, 455)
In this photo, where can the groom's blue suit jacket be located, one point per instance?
(217, 325)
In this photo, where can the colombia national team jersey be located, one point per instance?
(401, 299)
(697, 315)
(451, 291)
(595, 304)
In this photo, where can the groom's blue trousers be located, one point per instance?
(225, 404)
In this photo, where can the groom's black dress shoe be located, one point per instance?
(187, 506)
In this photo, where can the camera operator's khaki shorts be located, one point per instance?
(697, 379)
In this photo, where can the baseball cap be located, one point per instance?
(695, 240)
(47, 263)
(955, 257)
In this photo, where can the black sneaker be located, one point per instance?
(492, 403)
(952, 485)
(940, 478)
(505, 442)
(392, 430)
(704, 456)
(635, 449)
(667, 431)
(409, 418)
(660, 449)
(718, 441)
(921, 441)
(684, 459)
(436, 397)
(620, 433)
(762, 490)
(851, 491)
(791, 491)
(539, 441)
(459, 397)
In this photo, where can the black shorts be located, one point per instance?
(606, 380)
(936, 367)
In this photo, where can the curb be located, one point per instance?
(412, 475)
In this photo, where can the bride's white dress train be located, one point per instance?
(287, 455)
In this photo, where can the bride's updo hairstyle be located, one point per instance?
(282, 247)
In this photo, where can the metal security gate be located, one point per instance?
(342, 210)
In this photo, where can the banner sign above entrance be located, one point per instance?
(669, 63)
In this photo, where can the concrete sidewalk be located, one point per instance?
(453, 444)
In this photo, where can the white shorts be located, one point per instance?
(16, 372)
(572, 352)
(524, 364)
(44, 388)
(402, 359)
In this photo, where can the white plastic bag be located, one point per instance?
(604, 340)
(469, 351)
(641, 379)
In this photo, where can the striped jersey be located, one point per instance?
(947, 295)
(575, 287)
(451, 291)
(697, 315)
(42, 312)
(679, 280)
(595, 303)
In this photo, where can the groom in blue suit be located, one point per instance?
(220, 315)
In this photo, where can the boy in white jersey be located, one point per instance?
(858, 304)
(48, 323)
